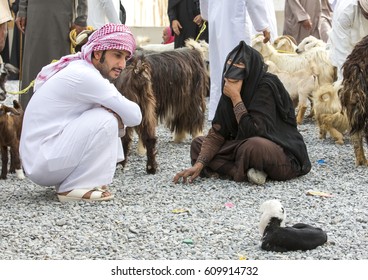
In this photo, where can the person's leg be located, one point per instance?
(83, 156)
(96, 147)
(255, 157)
(263, 155)
(223, 164)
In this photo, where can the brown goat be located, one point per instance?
(10, 129)
(169, 87)
(353, 96)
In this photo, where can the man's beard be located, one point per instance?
(106, 76)
(104, 73)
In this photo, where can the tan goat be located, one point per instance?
(300, 85)
(330, 116)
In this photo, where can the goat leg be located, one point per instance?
(14, 158)
(301, 113)
(357, 139)
(149, 140)
(179, 136)
(152, 165)
(126, 142)
(4, 159)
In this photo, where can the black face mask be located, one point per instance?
(234, 72)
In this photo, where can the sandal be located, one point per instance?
(77, 194)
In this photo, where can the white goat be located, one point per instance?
(285, 43)
(294, 62)
(300, 85)
(189, 43)
(142, 42)
(158, 47)
(310, 42)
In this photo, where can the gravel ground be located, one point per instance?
(219, 221)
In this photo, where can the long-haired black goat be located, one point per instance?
(170, 87)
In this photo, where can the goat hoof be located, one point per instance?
(361, 162)
(151, 169)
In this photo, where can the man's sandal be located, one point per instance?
(77, 194)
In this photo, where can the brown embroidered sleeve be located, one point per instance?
(211, 145)
(239, 110)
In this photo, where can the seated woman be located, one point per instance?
(167, 35)
(254, 134)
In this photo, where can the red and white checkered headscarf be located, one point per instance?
(111, 36)
(364, 4)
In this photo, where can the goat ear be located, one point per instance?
(17, 105)
(11, 68)
(138, 66)
(7, 109)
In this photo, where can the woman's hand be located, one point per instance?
(192, 172)
(232, 89)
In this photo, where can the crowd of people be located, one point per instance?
(73, 142)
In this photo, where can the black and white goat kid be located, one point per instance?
(277, 237)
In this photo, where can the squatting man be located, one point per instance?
(71, 128)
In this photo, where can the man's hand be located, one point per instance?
(21, 23)
(120, 121)
(307, 24)
(176, 26)
(192, 172)
(198, 20)
(266, 35)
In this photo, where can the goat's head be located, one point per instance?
(5, 70)
(257, 42)
(271, 209)
(5, 110)
(135, 81)
(265, 49)
(308, 43)
(285, 43)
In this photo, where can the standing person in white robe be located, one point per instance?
(70, 135)
(349, 26)
(333, 4)
(101, 12)
(228, 25)
(271, 18)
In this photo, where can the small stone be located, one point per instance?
(61, 222)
